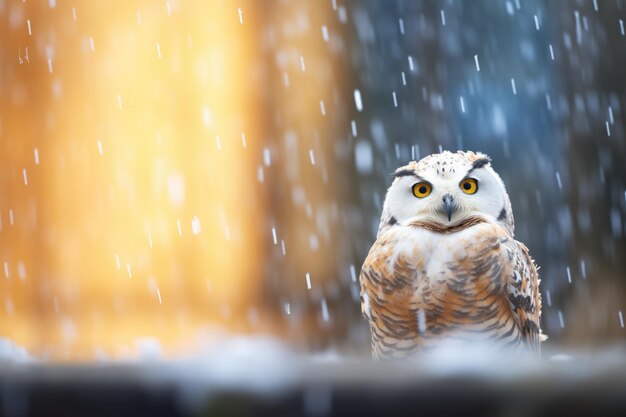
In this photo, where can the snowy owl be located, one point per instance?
(445, 265)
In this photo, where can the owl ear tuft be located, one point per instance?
(403, 172)
(481, 162)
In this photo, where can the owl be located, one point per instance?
(445, 264)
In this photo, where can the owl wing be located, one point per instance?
(387, 293)
(372, 275)
(522, 288)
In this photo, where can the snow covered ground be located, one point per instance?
(251, 375)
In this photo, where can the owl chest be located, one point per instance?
(426, 265)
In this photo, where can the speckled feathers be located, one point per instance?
(428, 277)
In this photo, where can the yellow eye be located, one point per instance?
(469, 185)
(422, 189)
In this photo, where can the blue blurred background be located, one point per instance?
(538, 86)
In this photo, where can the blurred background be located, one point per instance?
(174, 172)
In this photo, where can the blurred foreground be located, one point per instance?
(252, 377)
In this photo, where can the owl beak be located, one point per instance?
(448, 205)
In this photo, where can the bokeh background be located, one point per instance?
(175, 172)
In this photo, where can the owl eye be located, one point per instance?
(421, 189)
(469, 185)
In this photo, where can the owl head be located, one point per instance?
(447, 189)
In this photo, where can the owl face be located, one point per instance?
(448, 188)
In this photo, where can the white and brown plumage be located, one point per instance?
(445, 264)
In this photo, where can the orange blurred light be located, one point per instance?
(134, 200)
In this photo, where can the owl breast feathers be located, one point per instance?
(445, 265)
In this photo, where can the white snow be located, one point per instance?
(12, 352)
(421, 321)
(358, 102)
(353, 128)
(325, 35)
(498, 121)
(149, 348)
(195, 226)
(324, 307)
(558, 180)
(364, 157)
(176, 188)
(267, 157)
